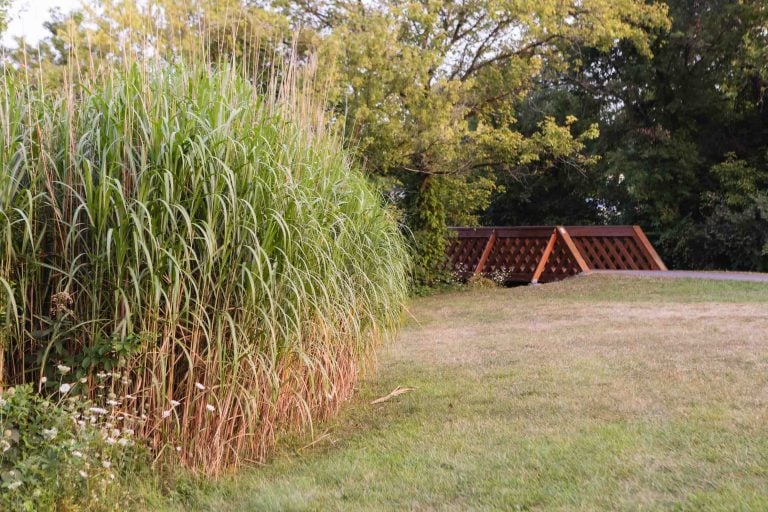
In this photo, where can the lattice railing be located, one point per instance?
(464, 254)
(548, 253)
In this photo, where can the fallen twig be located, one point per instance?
(399, 390)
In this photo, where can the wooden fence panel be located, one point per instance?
(548, 253)
(517, 255)
(463, 255)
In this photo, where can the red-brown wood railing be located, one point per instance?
(548, 253)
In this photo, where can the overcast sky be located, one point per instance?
(27, 17)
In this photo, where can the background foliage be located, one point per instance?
(429, 94)
(682, 142)
(503, 112)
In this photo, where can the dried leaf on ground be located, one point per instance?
(399, 390)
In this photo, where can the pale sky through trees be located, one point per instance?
(26, 18)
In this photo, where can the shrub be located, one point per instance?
(54, 456)
(213, 246)
(479, 281)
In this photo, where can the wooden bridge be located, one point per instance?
(548, 253)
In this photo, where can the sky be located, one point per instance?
(27, 17)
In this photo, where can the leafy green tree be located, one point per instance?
(430, 91)
(104, 32)
(669, 126)
(46, 61)
(668, 122)
(736, 217)
(570, 190)
(4, 5)
(189, 29)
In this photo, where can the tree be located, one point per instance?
(670, 123)
(47, 60)
(559, 191)
(735, 227)
(4, 5)
(430, 90)
(190, 29)
(106, 32)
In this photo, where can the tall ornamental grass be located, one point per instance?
(205, 259)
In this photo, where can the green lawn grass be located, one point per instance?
(597, 393)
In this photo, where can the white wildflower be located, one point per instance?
(63, 369)
(64, 388)
(106, 464)
(98, 410)
(77, 454)
(199, 386)
(116, 432)
(123, 441)
(43, 380)
(166, 414)
(175, 403)
(112, 403)
(5, 445)
(110, 440)
(50, 433)
(83, 474)
(14, 485)
(83, 380)
(210, 408)
(128, 431)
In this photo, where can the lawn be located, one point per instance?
(597, 393)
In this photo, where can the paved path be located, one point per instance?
(691, 274)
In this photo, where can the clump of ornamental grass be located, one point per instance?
(203, 257)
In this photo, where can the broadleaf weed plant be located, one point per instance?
(63, 452)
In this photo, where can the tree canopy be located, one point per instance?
(430, 93)
(682, 141)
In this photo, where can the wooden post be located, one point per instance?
(574, 250)
(646, 245)
(544, 258)
(486, 252)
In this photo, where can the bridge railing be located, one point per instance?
(548, 253)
